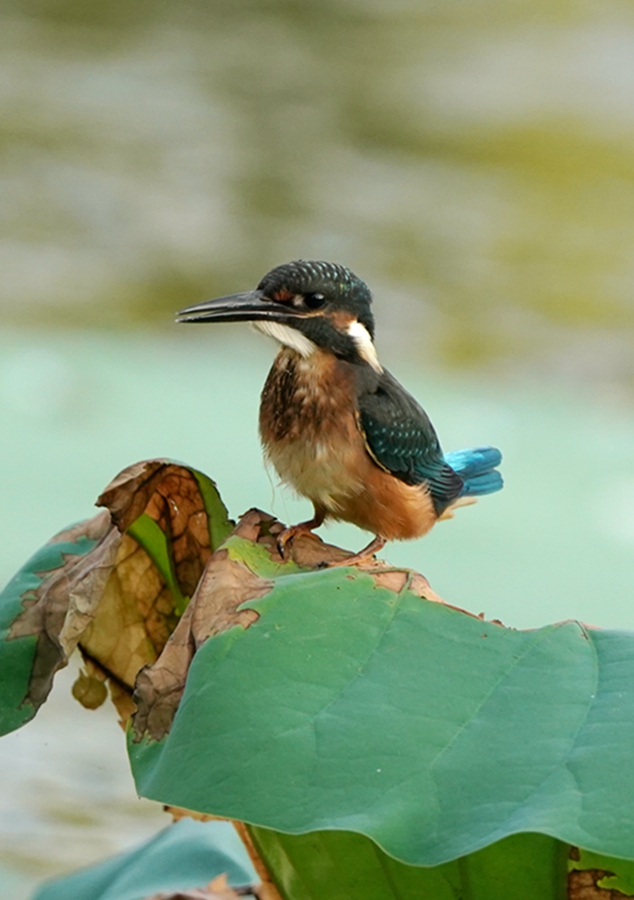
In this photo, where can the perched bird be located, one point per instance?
(336, 425)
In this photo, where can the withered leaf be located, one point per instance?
(169, 494)
(61, 608)
(118, 600)
(583, 885)
(135, 615)
(224, 586)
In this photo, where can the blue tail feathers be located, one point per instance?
(478, 469)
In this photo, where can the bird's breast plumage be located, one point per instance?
(309, 425)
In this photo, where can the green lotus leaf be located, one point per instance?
(343, 704)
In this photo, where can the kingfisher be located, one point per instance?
(334, 423)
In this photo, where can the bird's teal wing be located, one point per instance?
(401, 439)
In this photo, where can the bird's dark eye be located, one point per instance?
(314, 301)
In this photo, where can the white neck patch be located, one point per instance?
(364, 344)
(288, 336)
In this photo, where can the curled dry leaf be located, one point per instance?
(308, 551)
(584, 885)
(60, 609)
(134, 618)
(225, 585)
(170, 495)
(137, 613)
(118, 595)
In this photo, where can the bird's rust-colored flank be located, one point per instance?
(310, 433)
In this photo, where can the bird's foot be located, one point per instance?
(363, 557)
(286, 538)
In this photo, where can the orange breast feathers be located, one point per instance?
(310, 433)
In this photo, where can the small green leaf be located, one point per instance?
(147, 532)
(220, 525)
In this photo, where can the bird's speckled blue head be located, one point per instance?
(304, 305)
(314, 279)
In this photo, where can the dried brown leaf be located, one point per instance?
(178, 812)
(135, 615)
(113, 601)
(224, 586)
(583, 885)
(307, 550)
(169, 494)
(129, 492)
(122, 701)
(66, 602)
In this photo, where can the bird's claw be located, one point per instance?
(287, 537)
(284, 542)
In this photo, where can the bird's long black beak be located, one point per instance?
(250, 307)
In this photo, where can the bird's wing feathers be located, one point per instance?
(401, 439)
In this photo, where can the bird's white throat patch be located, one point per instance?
(364, 344)
(296, 340)
(288, 336)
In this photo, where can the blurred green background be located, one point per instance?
(473, 162)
